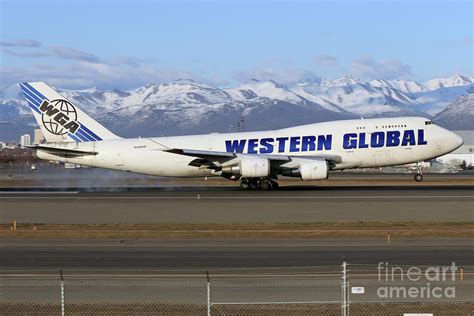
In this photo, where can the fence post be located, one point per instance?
(62, 291)
(208, 294)
(344, 290)
(348, 293)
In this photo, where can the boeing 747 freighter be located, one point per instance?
(256, 159)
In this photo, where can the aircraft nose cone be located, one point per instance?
(457, 141)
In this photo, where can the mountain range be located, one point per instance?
(188, 107)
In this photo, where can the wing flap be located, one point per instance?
(200, 153)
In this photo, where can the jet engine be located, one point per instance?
(309, 170)
(249, 168)
(314, 170)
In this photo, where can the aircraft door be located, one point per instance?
(119, 160)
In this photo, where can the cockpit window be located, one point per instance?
(428, 122)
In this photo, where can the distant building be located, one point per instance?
(38, 137)
(463, 153)
(25, 140)
(3, 145)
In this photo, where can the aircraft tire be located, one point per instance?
(244, 185)
(254, 184)
(265, 185)
(418, 177)
(275, 185)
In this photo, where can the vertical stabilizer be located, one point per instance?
(59, 119)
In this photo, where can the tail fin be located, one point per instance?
(59, 119)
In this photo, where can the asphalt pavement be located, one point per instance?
(292, 204)
(202, 255)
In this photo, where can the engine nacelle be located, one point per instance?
(313, 170)
(250, 168)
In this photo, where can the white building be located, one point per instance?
(463, 153)
(38, 137)
(25, 140)
(3, 145)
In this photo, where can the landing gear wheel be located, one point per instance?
(253, 184)
(244, 184)
(274, 185)
(418, 177)
(265, 185)
(258, 184)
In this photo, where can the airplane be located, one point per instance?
(256, 159)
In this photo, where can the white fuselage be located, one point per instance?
(358, 143)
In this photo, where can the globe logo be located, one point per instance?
(65, 108)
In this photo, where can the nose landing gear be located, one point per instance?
(419, 176)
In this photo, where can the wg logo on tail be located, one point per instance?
(59, 117)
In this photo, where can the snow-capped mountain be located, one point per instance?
(180, 91)
(454, 81)
(186, 106)
(94, 97)
(360, 98)
(458, 115)
(180, 105)
(267, 89)
(274, 91)
(407, 87)
(340, 82)
(388, 97)
(311, 92)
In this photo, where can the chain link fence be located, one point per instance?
(339, 290)
(294, 294)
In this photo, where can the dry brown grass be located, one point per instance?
(444, 308)
(259, 230)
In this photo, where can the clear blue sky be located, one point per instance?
(123, 44)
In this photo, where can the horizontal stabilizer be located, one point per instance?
(64, 152)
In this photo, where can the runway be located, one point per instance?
(200, 255)
(291, 204)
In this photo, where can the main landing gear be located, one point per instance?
(419, 176)
(258, 184)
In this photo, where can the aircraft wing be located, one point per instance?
(63, 152)
(212, 159)
(215, 159)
